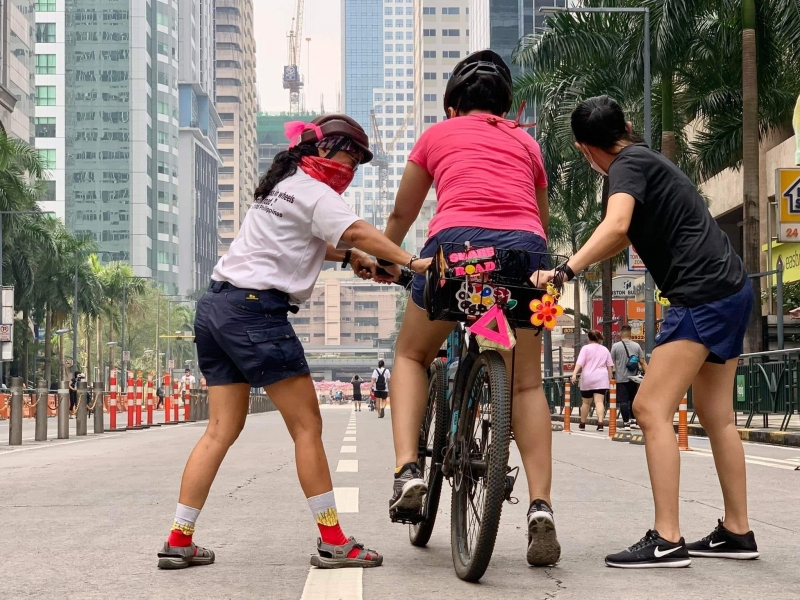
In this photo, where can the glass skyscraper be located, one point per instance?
(362, 56)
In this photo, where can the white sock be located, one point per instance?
(185, 518)
(323, 507)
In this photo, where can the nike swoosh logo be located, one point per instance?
(713, 545)
(659, 553)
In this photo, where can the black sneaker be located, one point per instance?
(582, 426)
(543, 547)
(722, 543)
(599, 428)
(405, 505)
(652, 551)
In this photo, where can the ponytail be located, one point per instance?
(284, 165)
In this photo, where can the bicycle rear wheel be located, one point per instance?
(480, 466)
(432, 442)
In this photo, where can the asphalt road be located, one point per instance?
(84, 518)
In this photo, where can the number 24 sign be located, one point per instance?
(787, 192)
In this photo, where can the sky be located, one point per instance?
(273, 19)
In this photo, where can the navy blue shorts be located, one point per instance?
(720, 325)
(480, 238)
(244, 336)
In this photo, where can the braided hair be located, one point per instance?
(284, 165)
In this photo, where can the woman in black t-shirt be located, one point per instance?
(656, 208)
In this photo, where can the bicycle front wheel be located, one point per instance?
(479, 476)
(432, 442)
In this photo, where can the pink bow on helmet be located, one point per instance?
(294, 129)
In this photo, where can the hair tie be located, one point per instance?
(295, 129)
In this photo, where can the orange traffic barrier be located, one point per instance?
(187, 405)
(112, 399)
(150, 399)
(567, 407)
(129, 396)
(138, 413)
(683, 425)
(5, 406)
(167, 399)
(612, 409)
(176, 399)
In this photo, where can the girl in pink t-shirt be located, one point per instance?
(491, 190)
(594, 366)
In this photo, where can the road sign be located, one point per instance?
(635, 262)
(126, 356)
(787, 191)
(171, 364)
(5, 333)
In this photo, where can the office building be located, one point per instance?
(496, 24)
(362, 56)
(271, 135)
(237, 105)
(107, 118)
(17, 82)
(197, 143)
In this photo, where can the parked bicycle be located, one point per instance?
(466, 432)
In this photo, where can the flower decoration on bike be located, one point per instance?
(546, 311)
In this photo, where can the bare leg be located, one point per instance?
(530, 415)
(671, 371)
(296, 400)
(712, 401)
(418, 342)
(227, 414)
(599, 407)
(586, 406)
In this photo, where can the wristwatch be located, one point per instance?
(348, 253)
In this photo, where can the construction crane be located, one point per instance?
(381, 161)
(292, 80)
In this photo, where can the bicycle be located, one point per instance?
(466, 432)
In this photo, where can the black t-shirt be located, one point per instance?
(356, 387)
(690, 257)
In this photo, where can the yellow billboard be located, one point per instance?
(787, 193)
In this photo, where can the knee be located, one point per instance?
(648, 415)
(308, 428)
(224, 435)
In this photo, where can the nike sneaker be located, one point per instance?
(652, 551)
(722, 543)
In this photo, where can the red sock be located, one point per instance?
(179, 539)
(335, 536)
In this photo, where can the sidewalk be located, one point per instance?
(762, 435)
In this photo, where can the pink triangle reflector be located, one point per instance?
(481, 327)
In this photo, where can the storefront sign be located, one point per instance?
(787, 193)
(790, 254)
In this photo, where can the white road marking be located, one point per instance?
(348, 450)
(349, 439)
(753, 460)
(347, 466)
(346, 499)
(333, 584)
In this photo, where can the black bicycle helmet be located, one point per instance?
(482, 62)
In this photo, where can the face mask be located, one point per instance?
(333, 174)
(593, 164)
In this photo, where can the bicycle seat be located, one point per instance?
(466, 281)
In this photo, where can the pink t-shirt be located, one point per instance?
(594, 360)
(486, 171)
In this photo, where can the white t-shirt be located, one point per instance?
(282, 242)
(188, 381)
(386, 374)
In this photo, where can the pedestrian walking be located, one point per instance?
(380, 385)
(356, 381)
(655, 207)
(629, 361)
(73, 393)
(594, 368)
(160, 396)
(297, 221)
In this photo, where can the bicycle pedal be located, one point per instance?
(407, 518)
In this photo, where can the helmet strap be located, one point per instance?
(336, 148)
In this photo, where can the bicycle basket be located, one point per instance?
(464, 282)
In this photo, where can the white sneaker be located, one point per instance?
(626, 427)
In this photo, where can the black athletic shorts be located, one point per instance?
(382, 395)
(588, 394)
(244, 336)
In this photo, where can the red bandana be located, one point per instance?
(334, 174)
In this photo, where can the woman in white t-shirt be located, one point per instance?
(380, 386)
(244, 339)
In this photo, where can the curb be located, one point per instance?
(774, 438)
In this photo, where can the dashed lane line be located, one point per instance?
(348, 450)
(349, 439)
(333, 584)
(346, 499)
(347, 466)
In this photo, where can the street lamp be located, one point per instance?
(649, 285)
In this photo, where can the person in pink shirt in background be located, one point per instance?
(491, 191)
(594, 366)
